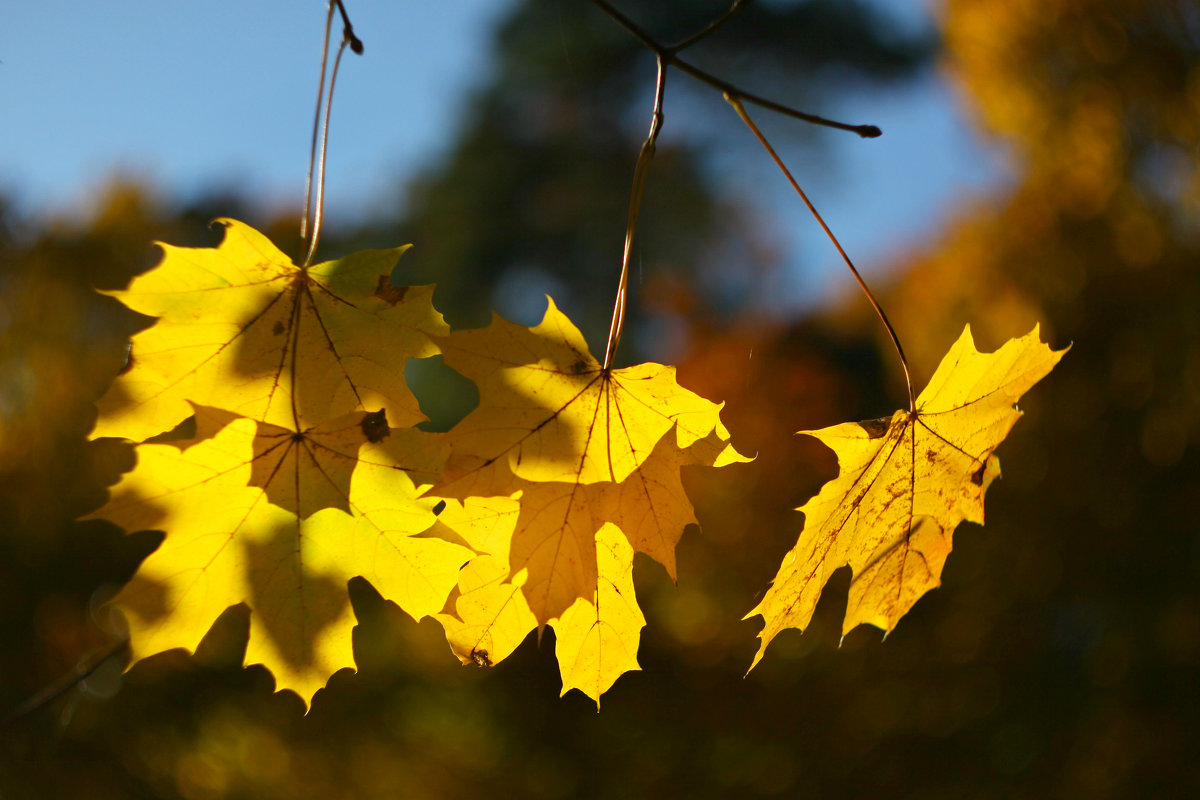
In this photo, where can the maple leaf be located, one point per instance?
(279, 520)
(491, 616)
(548, 411)
(597, 639)
(241, 327)
(564, 471)
(903, 486)
(597, 636)
(569, 550)
(556, 534)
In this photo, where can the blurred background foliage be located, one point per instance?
(1060, 659)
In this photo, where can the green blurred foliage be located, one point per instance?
(1061, 658)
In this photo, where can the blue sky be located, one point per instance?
(193, 96)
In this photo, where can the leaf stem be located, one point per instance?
(669, 55)
(314, 209)
(318, 210)
(316, 131)
(741, 112)
(640, 171)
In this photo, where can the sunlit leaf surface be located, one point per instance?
(280, 523)
(563, 472)
(903, 486)
(240, 327)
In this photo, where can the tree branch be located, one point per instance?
(348, 30)
(711, 27)
(83, 670)
(669, 56)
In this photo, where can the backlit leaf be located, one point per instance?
(491, 617)
(279, 521)
(549, 412)
(240, 327)
(597, 639)
(903, 486)
(563, 472)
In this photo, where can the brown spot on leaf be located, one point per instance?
(375, 426)
(875, 427)
(480, 657)
(278, 328)
(977, 475)
(579, 367)
(388, 293)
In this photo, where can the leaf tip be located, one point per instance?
(968, 337)
(764, 640)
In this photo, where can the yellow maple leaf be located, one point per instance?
(599, 627)
(548, 411)
(555, 537)
(597, 635)
(564, 471)
(597, 639)
(902, 488)
(491, 616)
(561, 552)
(242, 328)
(279, 520)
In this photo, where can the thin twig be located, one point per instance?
(668, 55)
(640, 171)
(665, 57)
(711, 27)
(316, 131)
(348, 31)
(741, 112)
(82, 672)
